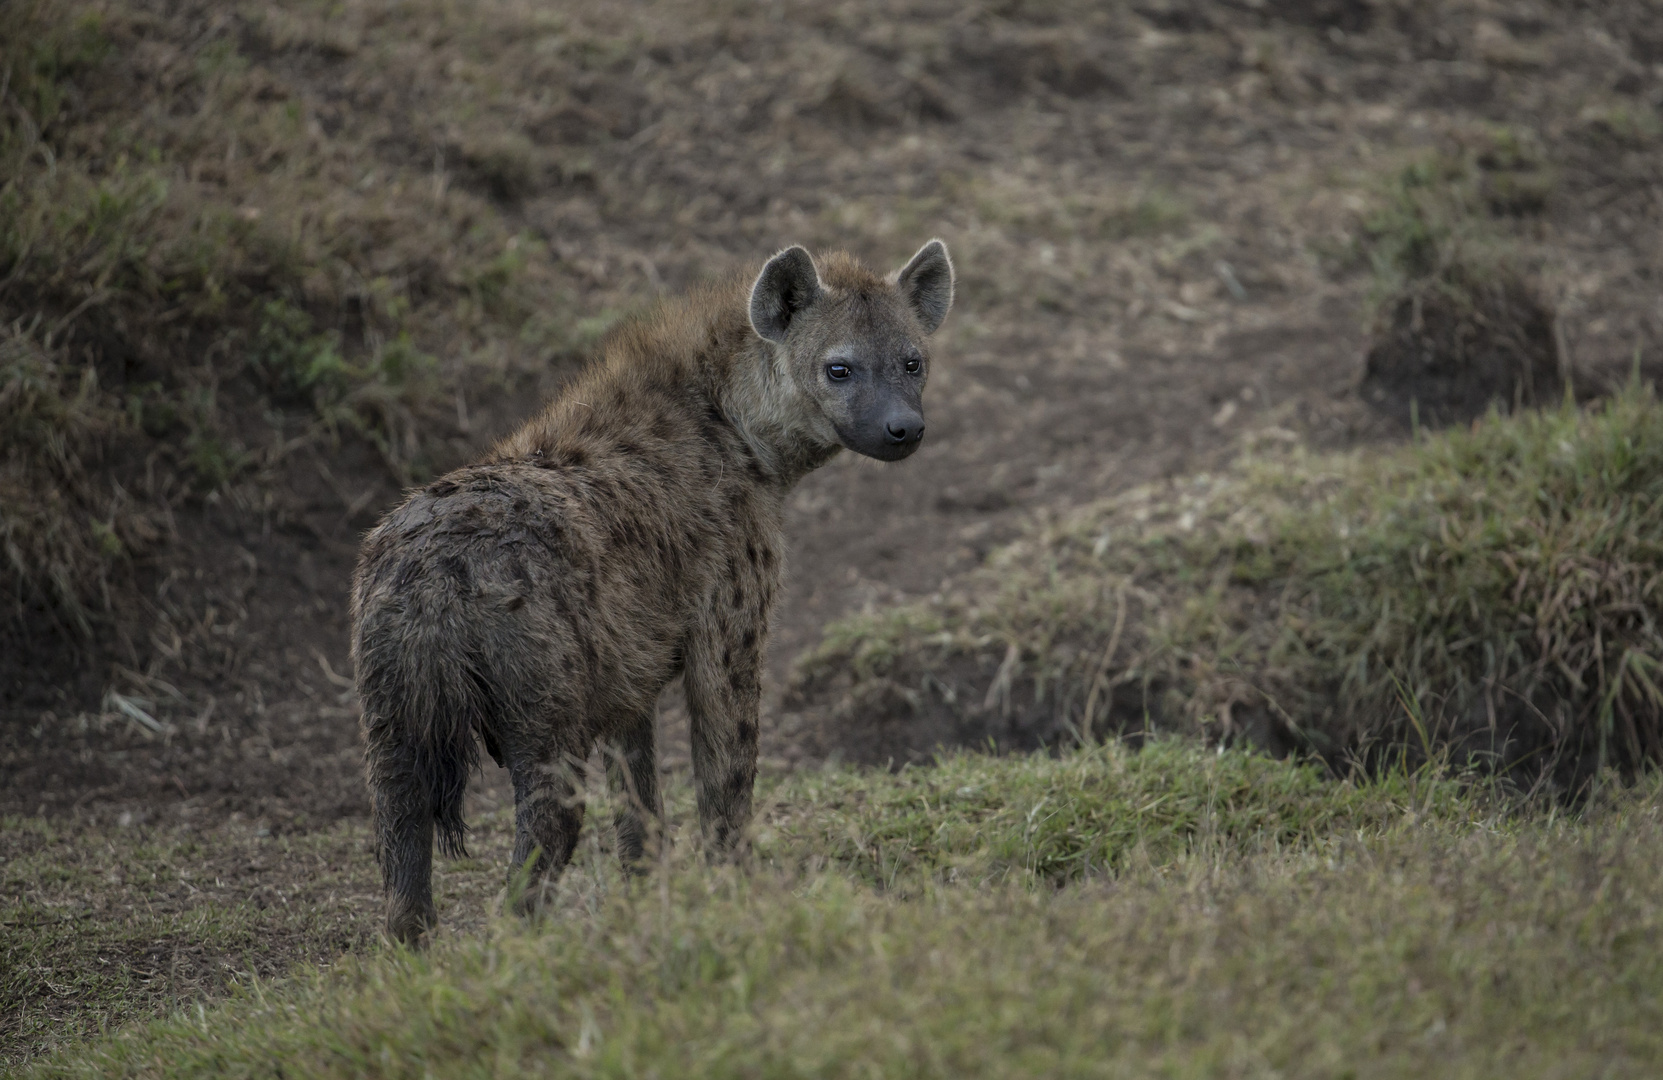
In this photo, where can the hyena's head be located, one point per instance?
(855, 345)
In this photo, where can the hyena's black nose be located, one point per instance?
(904, 427)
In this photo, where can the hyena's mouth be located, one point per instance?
(885, 447)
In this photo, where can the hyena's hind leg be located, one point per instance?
(403, 839)
(632, 774)
(548, 814)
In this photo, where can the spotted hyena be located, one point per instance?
(540, 600)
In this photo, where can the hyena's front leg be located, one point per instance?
(724, 697)
(632, 773)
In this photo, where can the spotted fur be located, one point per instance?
(537, 602)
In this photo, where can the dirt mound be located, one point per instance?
(1445, 356)
(1480, 592)
(912, 713)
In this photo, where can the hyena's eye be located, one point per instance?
(914, 363)
(838, 371)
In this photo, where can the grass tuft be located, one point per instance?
(114, 923)
(60, 529)
(1459, 324)
(1095, 811)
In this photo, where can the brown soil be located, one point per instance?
(1443, 359)
(1155, 212)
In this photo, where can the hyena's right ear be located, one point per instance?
(787, 286)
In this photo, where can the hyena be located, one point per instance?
(540, 600)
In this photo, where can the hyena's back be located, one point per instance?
(487, 604)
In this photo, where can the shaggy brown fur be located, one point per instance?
(541, 599)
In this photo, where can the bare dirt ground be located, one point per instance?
(1155, 210)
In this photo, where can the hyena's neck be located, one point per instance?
(699, 347)
(779, 424)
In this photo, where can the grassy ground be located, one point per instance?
(104, 924)
(108, 923)
(1222, 915)
(1493, 590)
(189, 259)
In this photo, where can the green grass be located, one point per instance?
(107, 924)
(1487, 591)
(1283, 925)
(1458, 317)
(58, 528)
(1098, 810)
(1623, 125)
(183, 245)
(1442, 222)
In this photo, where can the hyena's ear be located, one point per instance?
(927, 283)
(787, 286)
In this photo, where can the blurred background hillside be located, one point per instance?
(264, 265)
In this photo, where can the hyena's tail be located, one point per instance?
(422, 703)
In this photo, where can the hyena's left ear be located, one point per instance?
(927, 283)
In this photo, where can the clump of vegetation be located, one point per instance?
(1624, 125)
(1459, 324)
(1491, 594)
(1449, 940)
(182, 247)
(55, 521)
(1097, 810)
